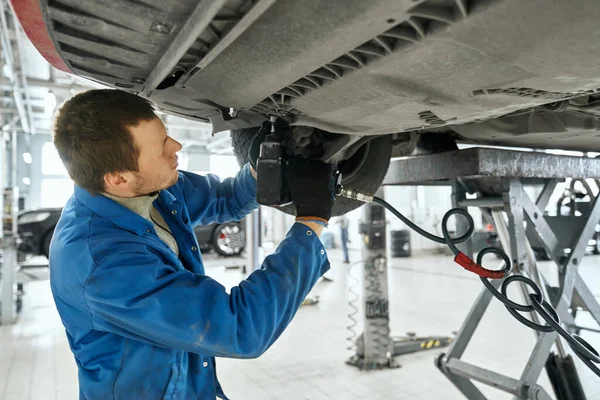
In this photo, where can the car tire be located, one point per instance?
(228, 239)
(368, 167)
(45, 250)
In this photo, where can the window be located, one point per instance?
(56, 187)
(51, 163)
(56, 192)
(223, 166)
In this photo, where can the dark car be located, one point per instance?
(36, 228)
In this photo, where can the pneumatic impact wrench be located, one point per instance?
(271, 186)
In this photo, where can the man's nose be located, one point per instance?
(177, 146)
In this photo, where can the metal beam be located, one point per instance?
(47, 84)
(19, 41)
(8, 126)
(197, 22)
(247, 20)
(490, 378)
(588, 298)
(10, 62)
(544, 197)
(485, 162)
(458, 347)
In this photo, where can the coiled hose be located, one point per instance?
(582, 349)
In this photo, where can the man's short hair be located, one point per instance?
(92, 136)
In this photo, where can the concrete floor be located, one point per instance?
(429, 295)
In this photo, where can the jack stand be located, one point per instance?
(498, 176)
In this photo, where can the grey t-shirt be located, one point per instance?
(143, 206)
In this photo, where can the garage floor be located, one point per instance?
(429, 296)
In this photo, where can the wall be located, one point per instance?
(23, 169)
(35, 189)
(198, 159)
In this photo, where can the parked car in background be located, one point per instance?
(35, 230)
(37, 227)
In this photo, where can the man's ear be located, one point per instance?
(115, 180)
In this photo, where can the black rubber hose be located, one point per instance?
(451, 242)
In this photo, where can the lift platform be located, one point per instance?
(495, 179)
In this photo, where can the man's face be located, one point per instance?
(157, 164)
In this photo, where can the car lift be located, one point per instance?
(497, 177)
(375, 348)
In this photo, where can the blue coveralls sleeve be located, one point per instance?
(135, 295)
(210, 200)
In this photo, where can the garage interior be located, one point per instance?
(401, 320)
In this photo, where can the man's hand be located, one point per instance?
(312, 187)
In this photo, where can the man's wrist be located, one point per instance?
(253, 172)
(318, 229)
(318, 220)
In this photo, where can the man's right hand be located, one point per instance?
(312, 188)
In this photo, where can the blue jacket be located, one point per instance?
(146, 324)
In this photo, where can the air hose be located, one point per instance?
(582, 349)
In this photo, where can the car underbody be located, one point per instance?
(462, 67)
(495, 72)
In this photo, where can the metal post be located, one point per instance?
(459, 197)
(375, 346)
(9, 262)
(9, 244)
(513, 197)
(5, 161)
(10, 62)
(252, 235)
(20, 47)
(13, 153)
(502, 230)
(540, 353)
(3, 178)
(588, 298)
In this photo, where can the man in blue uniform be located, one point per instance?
(142, 318)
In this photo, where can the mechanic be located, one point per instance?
(142, 319)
